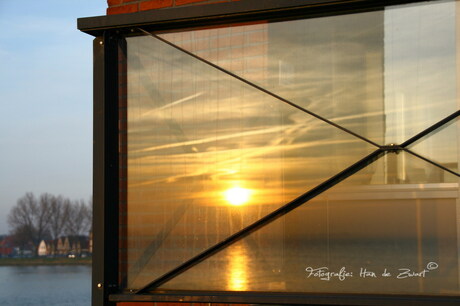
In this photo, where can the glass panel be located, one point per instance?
(441, 146)
(385, 75)
(361, 236)
(203, 148)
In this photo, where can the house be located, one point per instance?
(51, 247)
(42, 249)
(6, 246)
(79, 245)
(62, 246)
(72, 245)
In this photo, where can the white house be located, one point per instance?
(42, 249)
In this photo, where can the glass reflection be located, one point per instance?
(385, 75)
(208, 155)
(194, 137)
(237, 270)
(355, 238)
(237, 196)
(441, 146)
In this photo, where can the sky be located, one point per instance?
(45, 100)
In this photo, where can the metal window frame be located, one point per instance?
(227, 12)
(107, 48)
(105, 168)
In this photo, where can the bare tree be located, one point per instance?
(43, 217)
(59, 215)
(80, 217)
(35, 219)
(21, 237)
(30, 218)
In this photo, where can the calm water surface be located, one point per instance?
(45, 285)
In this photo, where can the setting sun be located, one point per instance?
(237, 195)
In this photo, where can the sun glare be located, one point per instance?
(237, 195)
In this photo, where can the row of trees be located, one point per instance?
(46, 217)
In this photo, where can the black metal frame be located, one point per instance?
(109, 31)
(225, 13)
(105, 168)
(275, 298)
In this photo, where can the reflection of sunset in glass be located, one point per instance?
(237, 196)
(238, 279)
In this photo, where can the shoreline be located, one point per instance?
(37, 261)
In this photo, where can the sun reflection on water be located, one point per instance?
(237, 280)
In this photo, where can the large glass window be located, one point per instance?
(229, 124)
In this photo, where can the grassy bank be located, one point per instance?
(44, 261)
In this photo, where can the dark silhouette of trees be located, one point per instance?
(29, 219)
(79, 218)
(59, 214)
(48, 217)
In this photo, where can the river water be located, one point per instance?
(45, 285)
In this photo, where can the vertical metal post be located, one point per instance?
(105, 170)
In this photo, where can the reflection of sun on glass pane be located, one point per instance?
(237, 196)
(237, 280)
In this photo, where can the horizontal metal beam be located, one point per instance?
(219, 13)
(287, 298)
